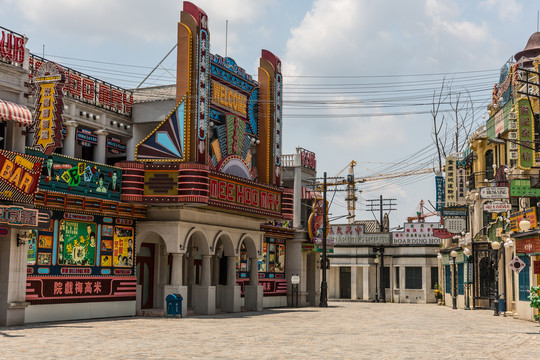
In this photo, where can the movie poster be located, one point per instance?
(263, 262)
(77, 243)
(32, 248)
(123, 246)
(280, 258)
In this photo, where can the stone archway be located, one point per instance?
(201, 292)
(253, 293)
(228, 293)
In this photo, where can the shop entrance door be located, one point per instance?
(345, 282)
(145, 274)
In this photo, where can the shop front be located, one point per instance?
(526, 267)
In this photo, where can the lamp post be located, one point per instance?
(495, 245)
(453, 254)
(380, 251)
(467, 253)
(376, 261)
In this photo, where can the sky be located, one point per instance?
(359, 76)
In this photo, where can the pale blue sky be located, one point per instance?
(343, 98)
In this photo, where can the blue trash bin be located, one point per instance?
(174, 305)
(501, 305)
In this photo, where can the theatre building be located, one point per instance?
(208, 166)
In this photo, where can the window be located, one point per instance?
(397, 277)
(460, 279)
(524, 283)
(434, 276)
(413, 277)
(386, 277)
(447, 279)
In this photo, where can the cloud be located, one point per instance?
(505, 9)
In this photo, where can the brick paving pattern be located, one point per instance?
(346, 330)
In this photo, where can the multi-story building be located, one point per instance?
(490, 260)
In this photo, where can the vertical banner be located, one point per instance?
(450, 188)
(461, 179)
(525, 135)
(439, 184)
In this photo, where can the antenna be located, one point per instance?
(44, 51)
(226, 35)
(537, 19)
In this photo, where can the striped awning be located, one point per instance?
(15, 112)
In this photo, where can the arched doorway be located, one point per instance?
(228, 293)
(253, 293)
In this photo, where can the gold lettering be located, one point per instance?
(6, 169)
(26, 182)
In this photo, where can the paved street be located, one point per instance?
(343, 331)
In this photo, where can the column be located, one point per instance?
(253, 300)
(176, 271)
(253, 272)
(100, 150)
(353, 282)
(215, 270)
(206, 271)
(297, 195)
(231, 270)
(70, 139)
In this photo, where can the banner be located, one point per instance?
(439, 183)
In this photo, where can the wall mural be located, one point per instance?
(78, 177)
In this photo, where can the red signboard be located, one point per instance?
(243, 196)
(47, 290)
(307, 158)
(19, 176)
(442, 233)
(528, 246)
(11, 47)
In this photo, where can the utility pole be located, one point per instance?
(324, 286)
(381, 205)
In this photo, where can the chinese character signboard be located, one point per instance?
(355, 235)
(525, 135)
(18, 216)
(416, 233)
(451, 175)
(528, 245)
(49, 82)
(439, 183)
(461, 179)
(19, 176)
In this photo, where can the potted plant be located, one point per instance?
(534, 298)
(438, 293)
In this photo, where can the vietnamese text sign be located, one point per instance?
(416, 233)
(19, 176)
(356, 235)
(494, 193)
(497, 206)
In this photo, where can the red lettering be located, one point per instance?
(222, 188)
(88, 89)
(213, 188)
(75, 84)
(18, 53)
(248, 196)
(271, 201)
(264, 203)
(116, 103)
(277, 201)
(230, 191)
(128, 103)
(239, 194)
(104, 95)
(255, 197)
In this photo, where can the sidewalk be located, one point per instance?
(354, 330)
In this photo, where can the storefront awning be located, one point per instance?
(15, 112)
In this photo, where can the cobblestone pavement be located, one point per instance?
(345, 330)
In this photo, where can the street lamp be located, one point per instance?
(524, 224)
(380, 251)
(467, 252)
(495, 245)
(453, 254)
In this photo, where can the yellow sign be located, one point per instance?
(515, 218)
(226, 97)
(46, 115)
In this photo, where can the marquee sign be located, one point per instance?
(90, 90)
(115, 145)
(356, 235)
(416, 234)
(237, 194)
(49, 82)
(19, 176)
(72, 176)
(11, 47)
